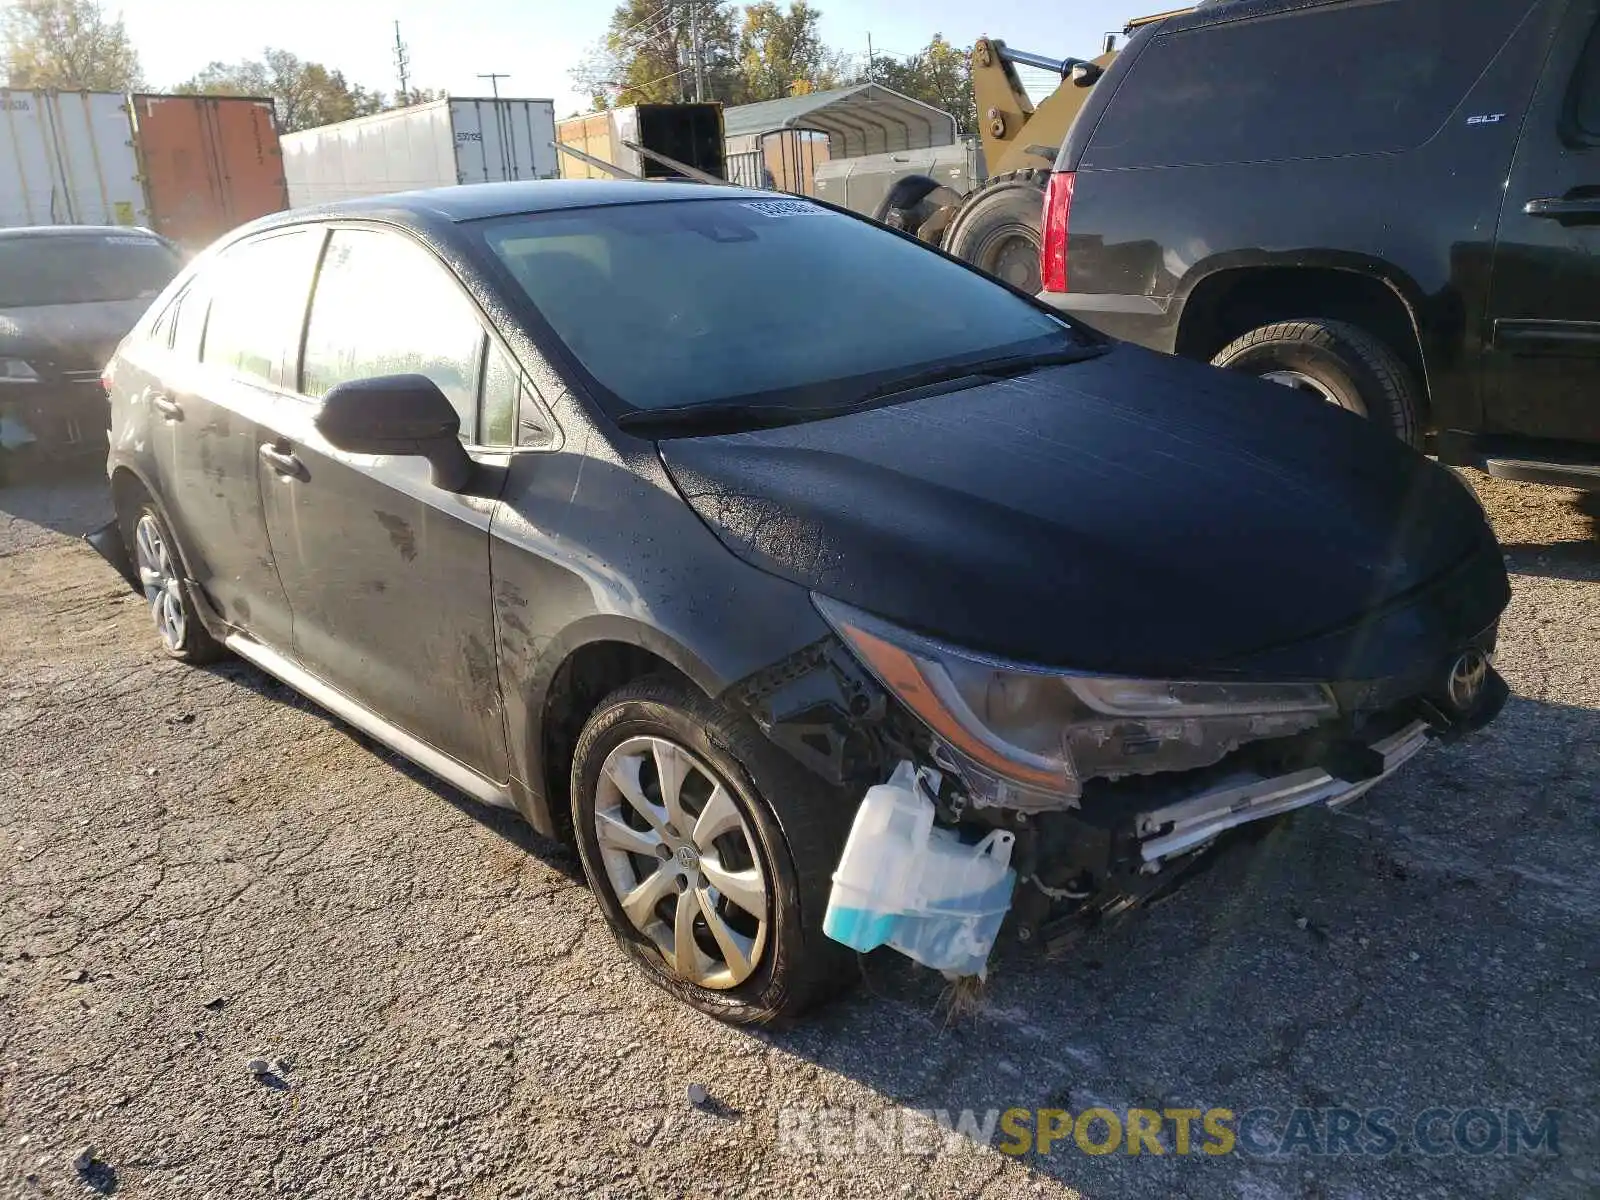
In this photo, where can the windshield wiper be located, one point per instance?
(1001, 367)
(735, 416)
(730, 417)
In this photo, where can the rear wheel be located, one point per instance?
(709, 851)
(160, 566)
(997, 228)
(1336, 362)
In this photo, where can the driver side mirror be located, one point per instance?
(398, 415)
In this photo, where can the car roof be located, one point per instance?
(45, 231)
(476, 201)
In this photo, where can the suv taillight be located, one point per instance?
(1053, 242)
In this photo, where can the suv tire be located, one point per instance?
(783, 830)
(1339, 362)
(997, 228)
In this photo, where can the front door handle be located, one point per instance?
(1569, 209)
(282, 460)
(169, 408)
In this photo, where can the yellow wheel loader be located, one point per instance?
(995, 226)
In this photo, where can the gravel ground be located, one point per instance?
(197, 869)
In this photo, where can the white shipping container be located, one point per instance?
(67, 158)
(430, 145)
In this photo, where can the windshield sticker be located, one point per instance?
(785, 208)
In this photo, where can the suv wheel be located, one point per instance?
(1336, 362)
(710, 853)
(155, 556)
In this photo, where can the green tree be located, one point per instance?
(647, 54)
(781, 53)
(305, 94)
(939, 74)
(415, 96)
(759, 52)
(67, 44)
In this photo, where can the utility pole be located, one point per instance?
(871, 65)
(494, 78)
(675, 32)
(402, 63)
(698, 50)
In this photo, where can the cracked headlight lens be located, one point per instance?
(15, 370)
(1019, 730)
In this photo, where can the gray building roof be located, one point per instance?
(865, 119)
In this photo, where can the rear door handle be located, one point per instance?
(1569, 210)
(169, 408)
(281, 460)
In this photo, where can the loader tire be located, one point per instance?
(997, 229)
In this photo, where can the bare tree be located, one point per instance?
(305, 94)
(67, 44)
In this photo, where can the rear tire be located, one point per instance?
(997, 229)
(156, 557)
(658, 770)
(1338, 362)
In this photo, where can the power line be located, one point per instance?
(658, 24)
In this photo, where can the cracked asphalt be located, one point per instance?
(198, 869)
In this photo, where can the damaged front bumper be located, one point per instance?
(1130, 840)
(1178, 828)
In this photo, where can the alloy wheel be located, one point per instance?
(162, 588)
(682, 861)
(1301, 382)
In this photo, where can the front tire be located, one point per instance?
(1334, 361)
(156, 558)
(710, 852)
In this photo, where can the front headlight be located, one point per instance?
(15, 370)
(1018, 730)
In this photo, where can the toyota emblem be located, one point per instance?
(1468, 674)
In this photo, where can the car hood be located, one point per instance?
(1132, 513)
(69, 335)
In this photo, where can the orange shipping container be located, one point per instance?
(210, 163)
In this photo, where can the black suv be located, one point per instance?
(1393, 205)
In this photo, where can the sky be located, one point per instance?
(536, 42)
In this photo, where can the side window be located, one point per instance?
(502, 392)
(510, 412)
(189, 325)
(1586, 92)
(385, 306)
(259, 302)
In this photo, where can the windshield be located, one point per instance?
(36, 271)
(688, 302)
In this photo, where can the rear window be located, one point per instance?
(36, 271)
(685, 302)
(1368, 76)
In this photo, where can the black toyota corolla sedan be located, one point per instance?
(676, 517)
